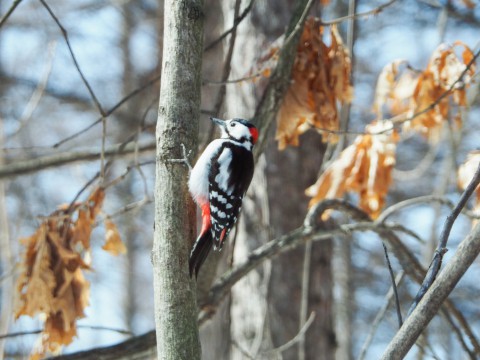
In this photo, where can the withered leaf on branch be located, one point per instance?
(426, 96)
(365, 167)
(52, 282)
(113, 242)
(441, 76)
(320, 81)
(392, 88)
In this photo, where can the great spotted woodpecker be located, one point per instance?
(218, 182)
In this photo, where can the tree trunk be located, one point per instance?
(175, 305)
(6, 262)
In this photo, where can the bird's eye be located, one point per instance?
(232, 124)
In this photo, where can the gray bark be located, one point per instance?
(434, 298)
(179, 110)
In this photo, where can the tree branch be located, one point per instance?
(41, 163)
(109, 112)
(9, 12)
(429, 305)
(233, 29)
(441, 248)
(72, 54)
(375, 11)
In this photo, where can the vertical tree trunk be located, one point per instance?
(175, 306)
(6, 261)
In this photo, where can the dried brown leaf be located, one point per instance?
(113, 241)
(52, 281)
(320, 81)
(441, 76)
(365, 167)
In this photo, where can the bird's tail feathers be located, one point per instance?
(200, 251)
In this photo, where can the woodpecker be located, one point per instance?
(218, 183)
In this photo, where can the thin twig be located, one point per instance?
(9, 12)
(226, 73)
(458, 332)
(420, 200)
(378, 318)
(295, 339)
(102, 150)
(307, 259)
(394, 286)
(38, 92)
(291, 35)
(110, 111)
(375, 11)
(90, 327)
(72, 54)
(441, 249)
(237, 20)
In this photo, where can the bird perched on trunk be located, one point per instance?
(218, 183)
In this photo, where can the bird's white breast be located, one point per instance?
(198, 182)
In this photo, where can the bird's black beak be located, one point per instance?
(219, 122)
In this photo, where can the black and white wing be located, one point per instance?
(230, 176)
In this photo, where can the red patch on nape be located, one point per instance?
(254, 133)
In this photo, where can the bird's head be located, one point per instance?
(237, 129)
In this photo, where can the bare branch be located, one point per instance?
(421, 200)
(27, 166)
(368, 13)
(394, 286)
(90, 327)
(110, 111)
(9, 12)
(297, 338)
(434, 297)
(441, 249)
(237, 20)
(379, 317)
(226, 71)
(72, 54)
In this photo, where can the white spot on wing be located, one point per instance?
(223, 175)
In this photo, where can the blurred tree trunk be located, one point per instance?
(6, 262)
(179, 110)
(128, 121)
(289, 173)
(265, 306)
